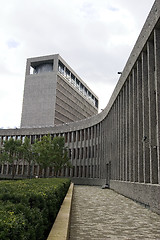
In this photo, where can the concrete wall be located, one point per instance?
(89, 181)
(147, 194)
(39, 100)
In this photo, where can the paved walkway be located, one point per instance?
(103, 214)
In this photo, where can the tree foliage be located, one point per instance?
(11, 153)
(46, 153)
(42, 152)
(59, 157)
(51, 153)
(27, 152)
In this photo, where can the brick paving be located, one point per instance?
(103, 214)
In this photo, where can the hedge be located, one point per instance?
(28, 208)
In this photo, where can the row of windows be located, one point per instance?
(80, 135)
(83, 153)
(78, 171)
(77, 100)
(76, 82)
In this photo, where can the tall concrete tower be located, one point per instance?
(54, 94)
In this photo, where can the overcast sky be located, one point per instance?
(95, 37)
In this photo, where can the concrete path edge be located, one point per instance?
(61, 226)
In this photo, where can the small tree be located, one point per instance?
(27, 152)
(42, 152)
(11, 153)
(3, 155)
(59, 157)
(51, 153)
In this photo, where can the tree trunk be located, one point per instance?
(13, 170)
(45, 172)
(29, 170)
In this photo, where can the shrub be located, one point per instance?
(29, 207)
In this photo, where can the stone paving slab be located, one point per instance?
(103, 214)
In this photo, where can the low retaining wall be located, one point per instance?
(89, 181)
(147, 194)
(60, 229)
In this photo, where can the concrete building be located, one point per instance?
(121, 145)
(54, 94)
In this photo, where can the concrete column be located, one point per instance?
(157, 88)
(72, 153)
(55, 64)
(145, 139)
(76, 156)
(152, 114)
(127, 102)
(87, 153)
(121, 135)
(7, 169)
(98, 150)
(107, 146)
(30, 138)
(130, 127)
(126, 163)
(68, 144)
(28, 65)
(110, 141)
(104, 147)
(113, 157)
(112, 132)
(135, 127)
(91, 144)
(84, 153)
(94, 143)
(140, 121)
(118, 138)
(115, 138)
(103, 160)
(80, 155)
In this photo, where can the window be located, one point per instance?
(72, 79)
(45, 67)
(85, 91)
(96, 103)
(81, 87)
(77, 83)
(61, 67)
(68, 74)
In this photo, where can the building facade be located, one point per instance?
(121, 145)
(54, 94)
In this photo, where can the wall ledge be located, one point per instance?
(60, 228)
